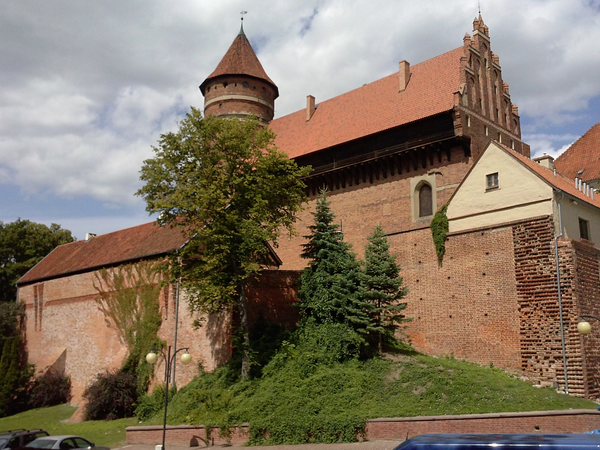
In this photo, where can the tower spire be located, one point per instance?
(239, 86)
(242, 20)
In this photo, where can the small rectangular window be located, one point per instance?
(487, 131)
(500, 137)
(584, 229)
(492, 180)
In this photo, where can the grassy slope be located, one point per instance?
(341, 397)
(329, 402)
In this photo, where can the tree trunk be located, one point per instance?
(243, 307)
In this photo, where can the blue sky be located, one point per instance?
(88, 87)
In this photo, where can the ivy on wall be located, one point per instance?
(439, 231)
(129, 299)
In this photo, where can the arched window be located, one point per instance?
(425, 201)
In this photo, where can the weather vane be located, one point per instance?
(478, 6)
(242, 14)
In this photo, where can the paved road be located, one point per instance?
(370, 445)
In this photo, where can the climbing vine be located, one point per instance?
(129, 299)
(439, 231)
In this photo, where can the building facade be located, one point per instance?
(520, 253)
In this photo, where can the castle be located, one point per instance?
(520, 264)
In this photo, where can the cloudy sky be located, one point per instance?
(87, 87)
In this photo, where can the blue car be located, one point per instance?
(477, 441)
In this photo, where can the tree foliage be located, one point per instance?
(229, 188)
(129, 300)
(329, 284)
(15, 373)
(22, 245)
(381, 286)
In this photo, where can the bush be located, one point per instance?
(150, 404)
(50, 389)
(111, 396)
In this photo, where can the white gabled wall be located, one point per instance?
(520, 193)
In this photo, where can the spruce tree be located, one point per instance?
(381, 286)
(329, 284)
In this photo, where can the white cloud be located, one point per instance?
(87, 87)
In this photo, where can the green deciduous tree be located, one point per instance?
(22, 245)
(15, 373)
(381, 286)
(229, 188)
(329, 285)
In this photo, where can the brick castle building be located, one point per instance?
(520, 250)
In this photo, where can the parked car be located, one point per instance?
(63, 443)
(479, 441)
(19, 438)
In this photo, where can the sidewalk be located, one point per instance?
(369, 445)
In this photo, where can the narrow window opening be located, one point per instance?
(487, 131)
(425, 201)
(584, 229)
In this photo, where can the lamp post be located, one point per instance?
(584, 327)
(151, 358)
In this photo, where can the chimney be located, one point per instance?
(546, 161)
(89, 236)
(310, 107)
(404, 75)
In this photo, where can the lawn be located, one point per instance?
(55, 421)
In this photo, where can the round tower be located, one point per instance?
(239, 86)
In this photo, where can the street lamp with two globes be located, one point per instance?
(169, 359)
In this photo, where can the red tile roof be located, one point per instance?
(240, 59)
(583, 154)
(558, 181)
(130, 244)
(372, 108)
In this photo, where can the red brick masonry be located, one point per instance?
(567, 421)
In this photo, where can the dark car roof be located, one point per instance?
(464, 441)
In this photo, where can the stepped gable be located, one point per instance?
(124, 246)
(373, 108)
(240, 59)
(584, 155)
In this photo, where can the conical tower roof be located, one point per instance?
(240, 59)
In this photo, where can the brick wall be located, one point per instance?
(239, 95)
(587, 297)
(468, 306)
(66, 330)
(386, 201)
(535, 268)
(571, 421)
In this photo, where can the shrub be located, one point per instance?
(111, 396)
(150, 404)
(50, 389)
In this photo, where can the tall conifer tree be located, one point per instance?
(381, 286)
(329, 285)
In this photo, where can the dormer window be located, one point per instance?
(491, 181)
